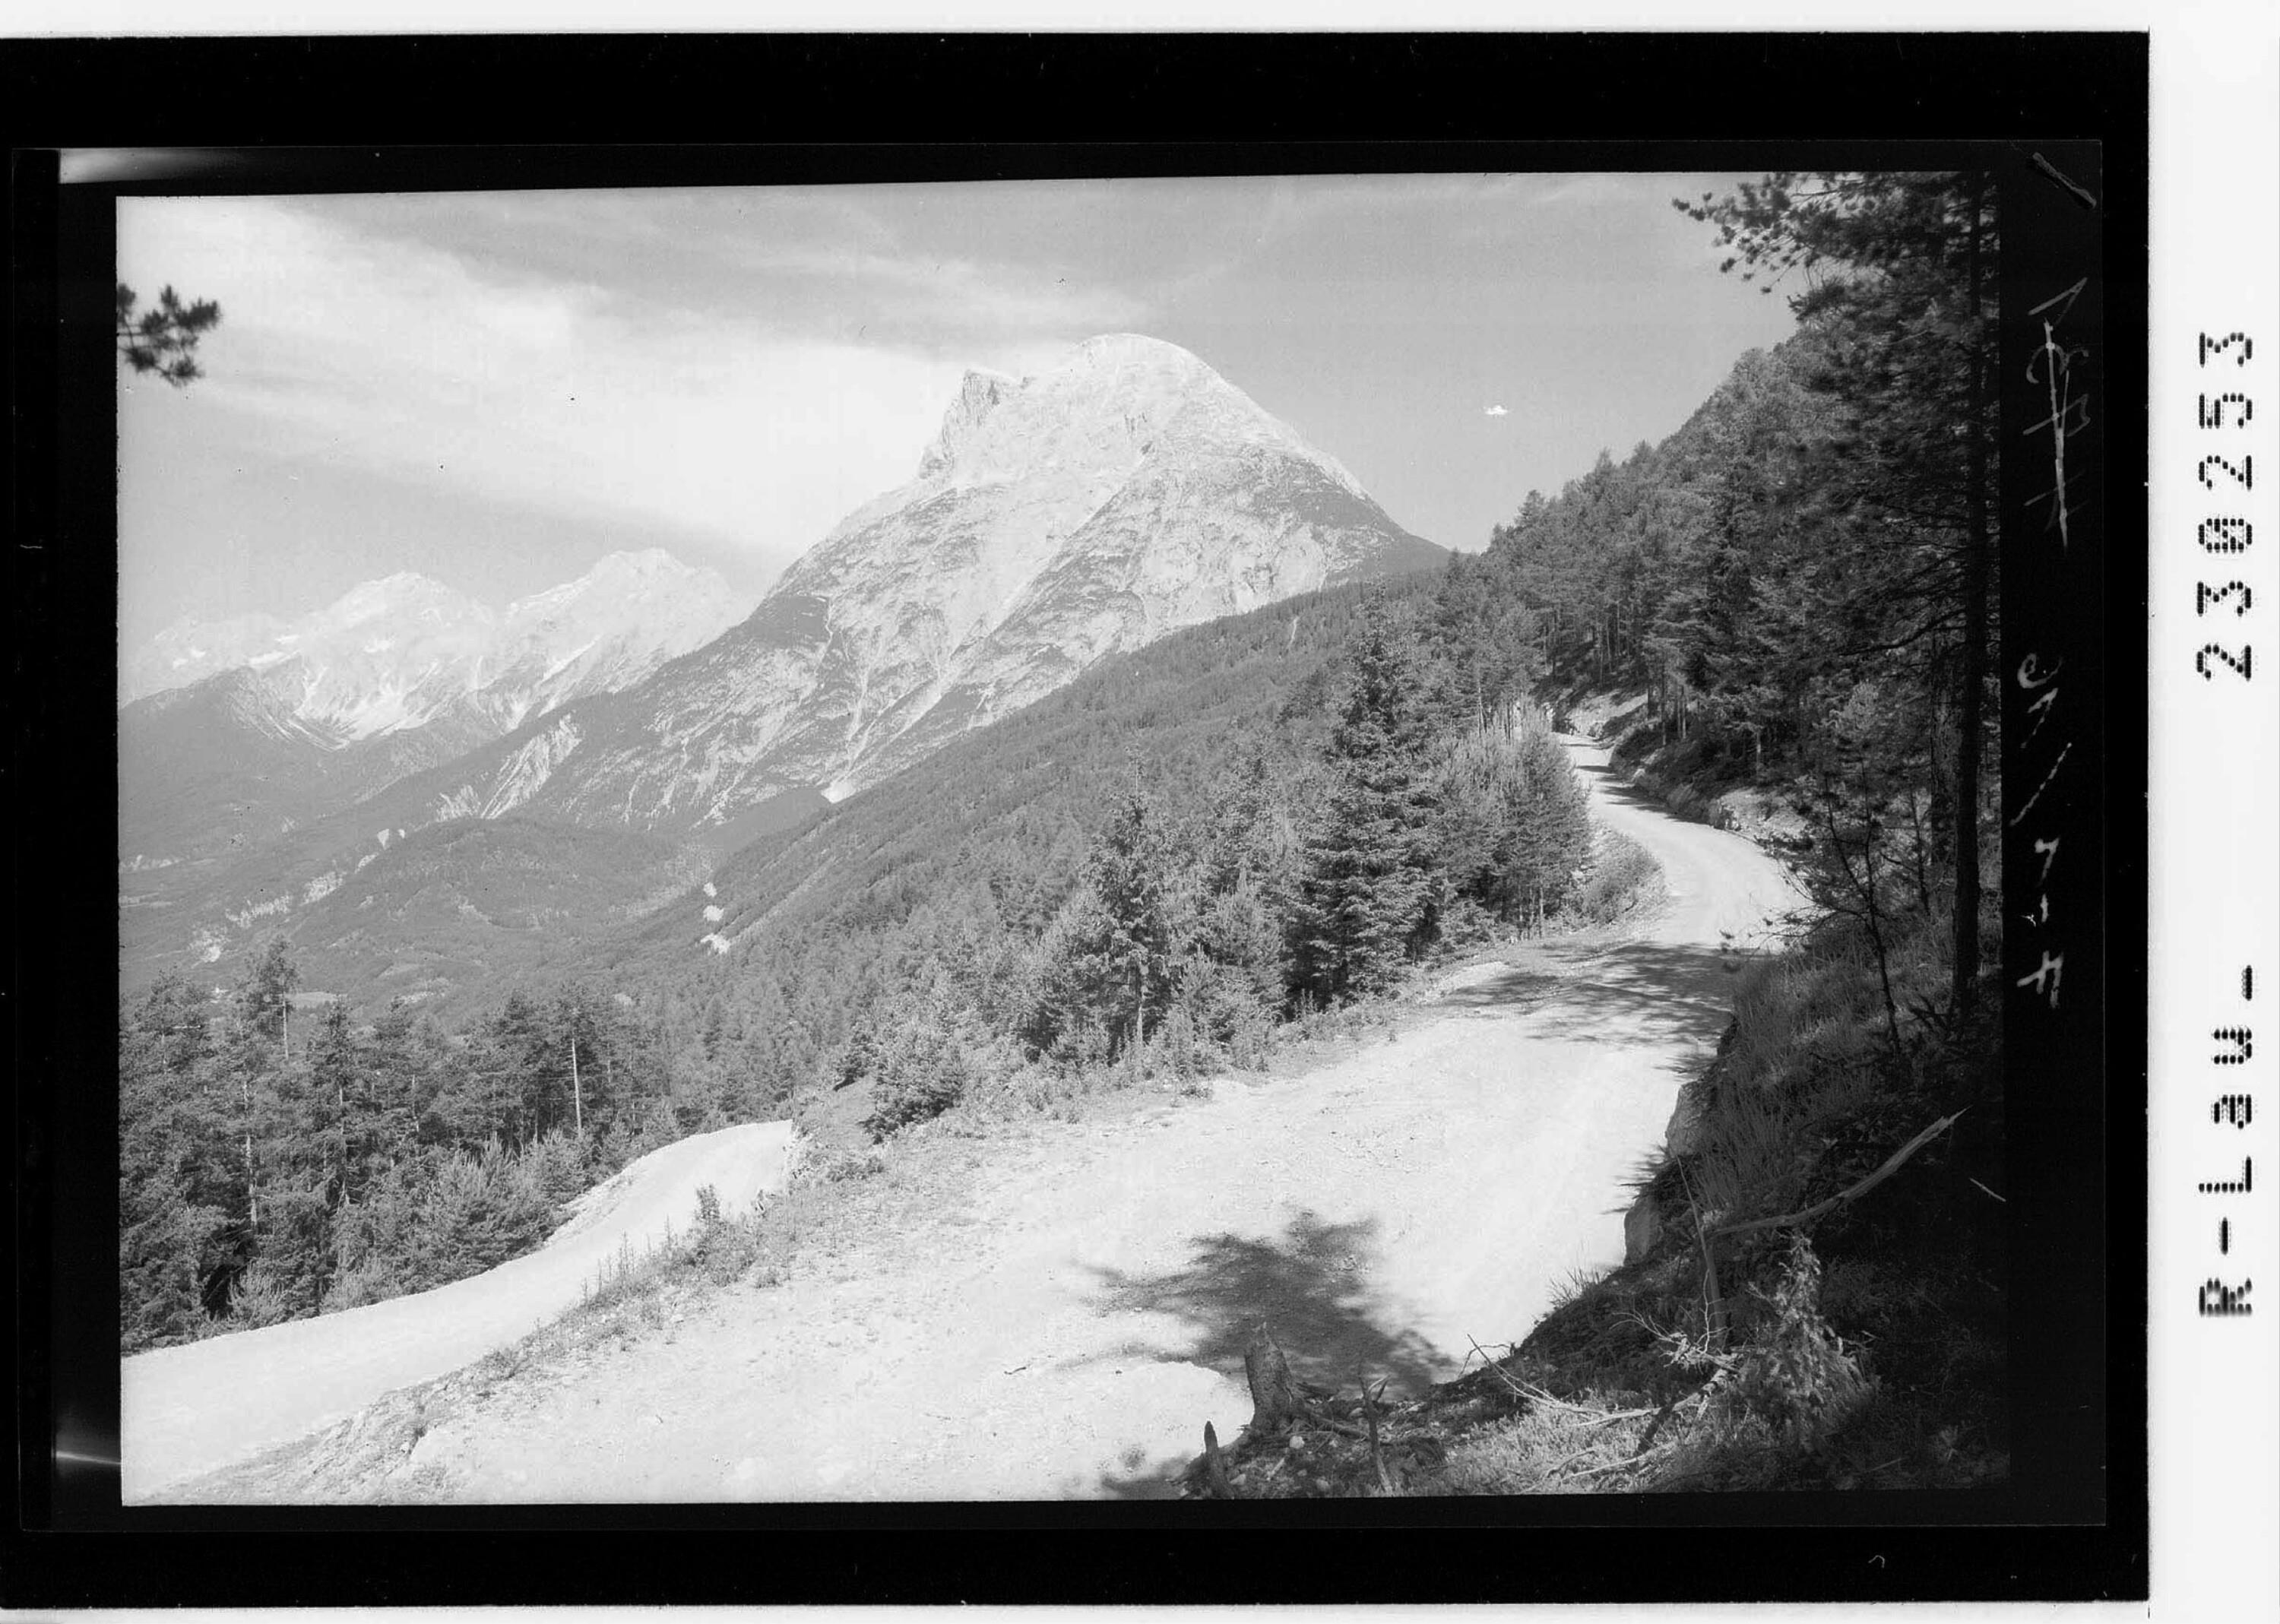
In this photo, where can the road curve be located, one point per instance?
(1067, 1326)
(189, 1410)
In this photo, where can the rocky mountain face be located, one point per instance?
(1056, 520)
(239, 731)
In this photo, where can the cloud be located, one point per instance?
(786, 259)
(1496, 412)
(563, 394)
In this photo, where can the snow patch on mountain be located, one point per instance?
(406, 651)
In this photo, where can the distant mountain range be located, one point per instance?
(407, 650)
(1124, 494)
(235, 731)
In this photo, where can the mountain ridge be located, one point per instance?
(1054, 520)
(400, 649)
(396, 676)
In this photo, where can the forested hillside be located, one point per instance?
(280, 1157)
(1150, 851)
(1800, 584)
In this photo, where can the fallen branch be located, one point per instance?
(1597, 1418)
(1536, 1396)
(1496, 1369)
(1629, 1460)
(1821, 1208)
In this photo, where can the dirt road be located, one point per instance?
(1070, 1327)
(189, 1410)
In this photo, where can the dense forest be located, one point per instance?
(280, 1158)
(1192, 844)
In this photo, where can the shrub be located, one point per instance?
(259, 1299)
(1512, 828)
(1622, 878)
(923, 1055)
(1794, 1373)
(845, 1166)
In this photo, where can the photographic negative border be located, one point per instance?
(837, 108)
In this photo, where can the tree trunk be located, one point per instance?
(1973, 677)
(577, 1096)
(252, 1215)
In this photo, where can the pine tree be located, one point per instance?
(1129, 873)
(167, 1143)
(1514, 826)
(265, 995)
(1901, 273)
(1367, 901)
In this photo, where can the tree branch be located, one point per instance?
(1821, 1208)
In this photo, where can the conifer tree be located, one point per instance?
(168, 1141)
(1130, 873)
(1900, 274)
(1368, 900)
(163, 339)
(265, 996)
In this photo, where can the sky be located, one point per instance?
(497, 390)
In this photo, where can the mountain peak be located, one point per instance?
(1138, 349)
(405, 592)
(1124, 491)
(977, 396)
(647, 563)
(404, 651)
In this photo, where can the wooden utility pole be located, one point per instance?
(245, 1095)
(577, 1097)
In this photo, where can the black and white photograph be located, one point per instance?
(1303, 834)
(1254, 837)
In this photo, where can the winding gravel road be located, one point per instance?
(1067, 1331)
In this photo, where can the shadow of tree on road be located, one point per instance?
(1603, 779)
(1310, 1285)
(1631, 992)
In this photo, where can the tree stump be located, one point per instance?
(1274, 1393)
(1215, 1483)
